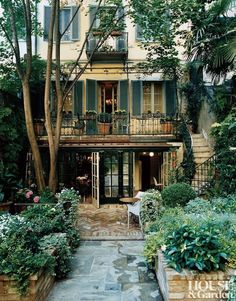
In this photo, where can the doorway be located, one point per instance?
(116, 176)
(151, 163)
(108, 96)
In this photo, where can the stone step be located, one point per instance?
(201, 148)
(202, 155)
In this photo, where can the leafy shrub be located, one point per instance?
(68, 195)
(195, 248)
(177, 194)
(151, 206)
(224, 204)
(46, 219)
(198, 206)
(160, 229)
(47, 196)
(62, 254)
(225, 137)
(152, 244)
(20, 255)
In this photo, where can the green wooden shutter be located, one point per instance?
(137, 94)
(170, 88)
(92, 13)
(78, 97)
(47, 16)
(75, 24)
(91, 94)
(123, 94)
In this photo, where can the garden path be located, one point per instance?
(108, 271)
(107, 222)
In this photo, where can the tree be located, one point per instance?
(23, 22)
(213, 38)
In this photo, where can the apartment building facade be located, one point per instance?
(119, 128)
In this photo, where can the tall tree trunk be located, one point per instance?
(31, 135)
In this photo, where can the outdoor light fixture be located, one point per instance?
(151, 154)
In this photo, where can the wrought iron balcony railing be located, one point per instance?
(120, 124)
(113, 49)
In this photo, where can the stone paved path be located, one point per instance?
(108, 271)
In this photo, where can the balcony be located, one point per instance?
(114, 49)
(122, 126)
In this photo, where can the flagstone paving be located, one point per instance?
(107, 222)
(108, 271)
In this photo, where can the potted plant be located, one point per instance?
(104, 123)
(79, 127)
(120, 121)
(90, 117)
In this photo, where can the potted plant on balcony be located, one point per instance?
(90, 117)
(120, 121)
(104, 123)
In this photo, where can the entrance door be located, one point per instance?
(95, 179)
(116, 175)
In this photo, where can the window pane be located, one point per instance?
(64, 21)
(158, 97)
(147, 105)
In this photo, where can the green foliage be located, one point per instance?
(104, 117)
(20, 255)
(225, 137)
(47, 196)
(59, 244)
(151, 206)
(177, 194)
(12, 139)
(68, 195)
(195, 248)
(27, 241)
(187, 170)
(198, 206)
(222, 102)
(153, 242)
(224, 204)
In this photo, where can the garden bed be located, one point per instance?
(191, 285)
(39, 287)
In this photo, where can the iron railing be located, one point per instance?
(204, 177)
(121, 124)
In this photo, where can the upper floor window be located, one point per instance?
(152, 97)
(139, 32)
(106, 16)
(71, 32)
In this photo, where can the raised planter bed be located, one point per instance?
(191, 285)
(40, 286)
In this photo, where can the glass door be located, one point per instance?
(95, 179)
(116, 174)
(108, 92)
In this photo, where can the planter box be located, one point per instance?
(40, 286)
(191, 285)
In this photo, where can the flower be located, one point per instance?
(36, 199)
(28, 194)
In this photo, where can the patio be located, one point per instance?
(109, 222)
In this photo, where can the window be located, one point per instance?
(139, 32)
(152, 97)
(66, 14)
(107, 15)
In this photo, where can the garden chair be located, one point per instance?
(135, 208)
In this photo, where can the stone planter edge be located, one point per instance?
(185, 286)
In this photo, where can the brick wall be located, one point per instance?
(191, 285)
(40, 286)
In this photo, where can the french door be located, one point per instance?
(95, 179)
